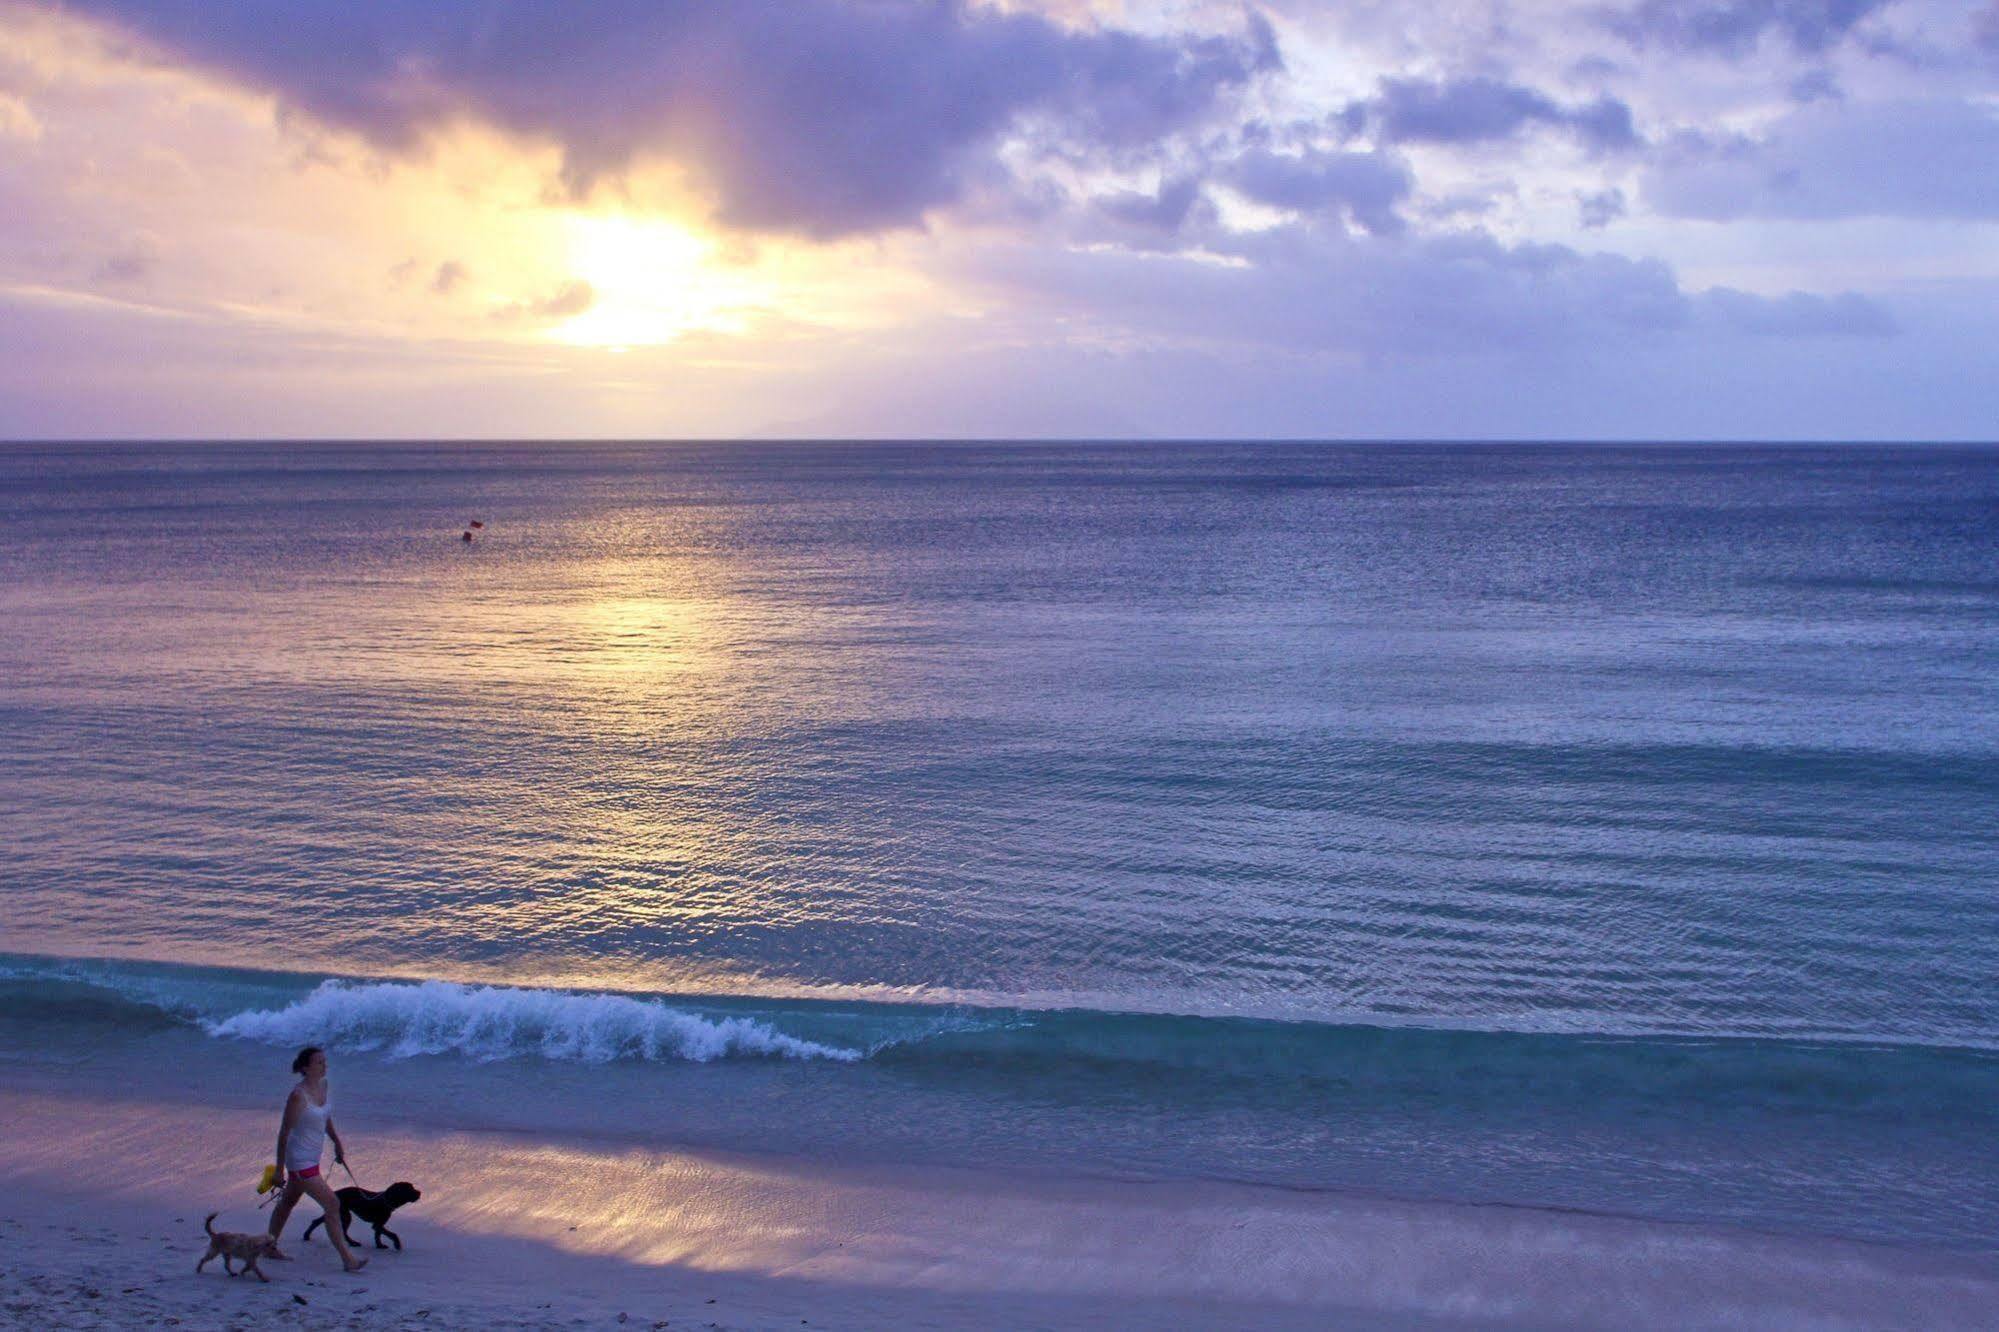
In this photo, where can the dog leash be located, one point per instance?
(271, 1194)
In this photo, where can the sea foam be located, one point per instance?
(493, 1022)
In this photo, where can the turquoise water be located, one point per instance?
(1594, 827)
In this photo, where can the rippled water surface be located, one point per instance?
(1694, 742)
(1697, 740)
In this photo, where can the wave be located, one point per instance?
(486, 1023)
(400, 1019)
(1122, 1055)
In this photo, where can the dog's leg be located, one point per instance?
(251, 1266)
(310, 1226)
(384, 1230)
(212, 1251)
(226, 1267)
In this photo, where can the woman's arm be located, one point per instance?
(339, 1147)
(285, 1129)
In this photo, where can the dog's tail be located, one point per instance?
(208, 1222)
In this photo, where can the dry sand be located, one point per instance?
(101, 1203)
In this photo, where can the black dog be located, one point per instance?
(374, 1208)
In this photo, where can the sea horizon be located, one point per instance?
(1593, 440)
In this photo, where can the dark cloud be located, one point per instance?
(1314, 289)
(1798, 314)
(1734, 27)
(1367, 187)
(1481, 110)
(1600, 208)
(819, 116)
(1165, 211)
(449, 274)
(1834, 159)
(1306, 291)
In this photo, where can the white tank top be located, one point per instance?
(308, 1135)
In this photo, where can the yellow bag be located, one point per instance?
(268, 1180)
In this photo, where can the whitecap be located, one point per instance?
(489, 1023)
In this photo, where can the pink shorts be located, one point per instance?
(310, 1172)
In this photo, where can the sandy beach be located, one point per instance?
(104, 1200)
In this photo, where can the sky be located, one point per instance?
(1588, 219)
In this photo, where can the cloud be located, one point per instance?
(17, 120)
(823, 117)
(1313, 289)
(571, 298)
(1164, 211)
(1817, 85)
(1600, 208)
(1367, 187)
(130, 263)
(1318, 291)
(95, 369)
(1702, 379)
(1138, 230)
(1798, 314)
(1928, 159)
(1483, 110)
(1734, 27)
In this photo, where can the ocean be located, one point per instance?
(1600, 827)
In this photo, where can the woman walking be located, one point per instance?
(302, 1136)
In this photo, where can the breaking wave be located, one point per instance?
(492, 1022)
(1118, 1054)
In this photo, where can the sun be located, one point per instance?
(652, 281)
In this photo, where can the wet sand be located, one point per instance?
(101, 1201)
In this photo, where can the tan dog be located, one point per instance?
(245, 1249)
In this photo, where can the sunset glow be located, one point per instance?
(1558, 219)
(650, 283)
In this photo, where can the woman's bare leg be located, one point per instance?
(324, 1196)
(294, 1190)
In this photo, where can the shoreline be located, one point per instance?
(44, 959)
(107, 1195)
